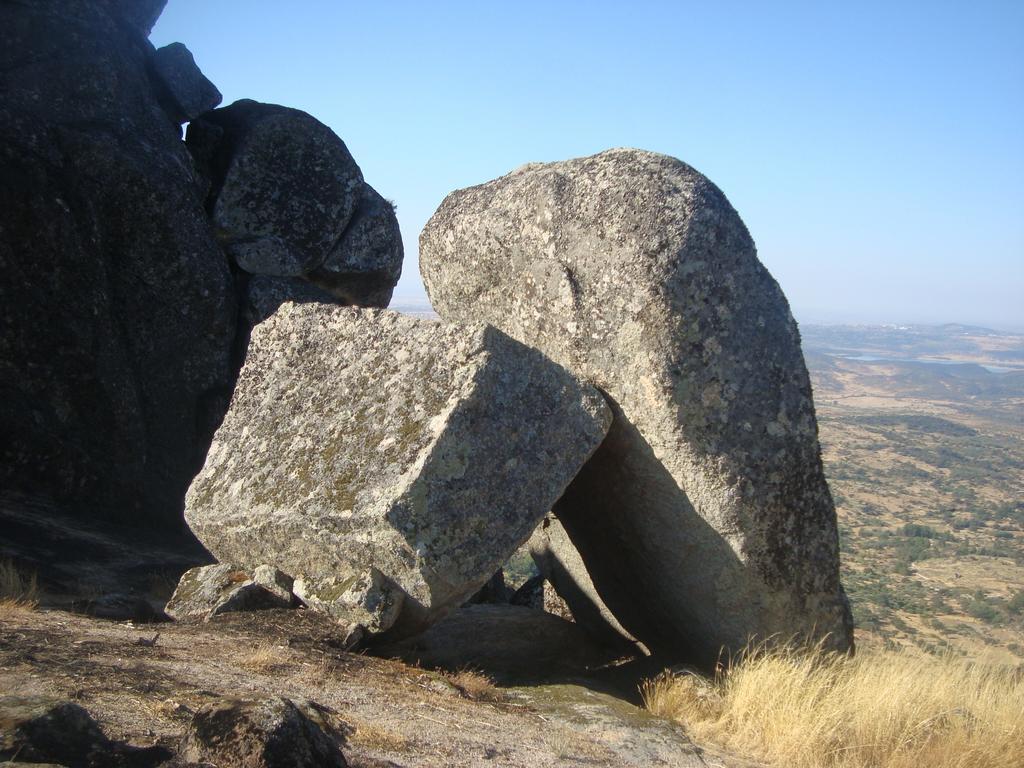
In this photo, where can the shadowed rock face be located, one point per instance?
(560, 564)
(288, 200)
(704, 518)
(389, 464)
(263, 733)
(117, 307)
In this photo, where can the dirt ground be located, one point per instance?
(143, 682)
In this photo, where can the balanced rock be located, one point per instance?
(364, 267)
(704, 519)
(263, 733)
(390, 464)
(288, 200)
(282, 173)
(188, 90)
(117, 306)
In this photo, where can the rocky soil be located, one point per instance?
(144, 682)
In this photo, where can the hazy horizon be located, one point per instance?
(803, 317)
(873, 151)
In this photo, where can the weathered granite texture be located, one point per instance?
(365, 264)
(704, 518)
(263, 294)
(117, 306)
(564, 570)
(263, 733)
(211, 590)
(288, 200)
(390, 464)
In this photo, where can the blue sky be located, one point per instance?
(875, 150)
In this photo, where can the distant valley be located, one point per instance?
(922, 431)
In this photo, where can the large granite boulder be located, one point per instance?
(704, 519)
(187, 90)
(288, 200)
(390, 464)
(365, 264)
(117, 306)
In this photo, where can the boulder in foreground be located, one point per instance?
(263, 733)
(210, 590)
(704, 519)
(390, 464)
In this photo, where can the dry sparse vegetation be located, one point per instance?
(18, 592)
(475, 685)
(264, 659)
(378, 739)
(882, 709)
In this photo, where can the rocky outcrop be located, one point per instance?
(210, 590)
(41, 729)
(124, 310)
(564, 570)
(117, 306)
(189, 92)
(389, 511)
(704, 518)
(288, 200)
(263, 733)
(365, 264)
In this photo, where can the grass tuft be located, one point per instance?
(377, 738)
(881, 709)
(475, 685)
(264, 659)
(18, 592)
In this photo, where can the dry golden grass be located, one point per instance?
(18, 592)
(882, 709)
(264, 659)
(376, 738)
(475, 685)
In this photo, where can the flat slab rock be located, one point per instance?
(391, 464)
(704, 518)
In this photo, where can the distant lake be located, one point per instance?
(922, 361)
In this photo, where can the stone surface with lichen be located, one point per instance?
(704, 517)
(363, 442)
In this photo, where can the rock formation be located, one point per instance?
(41, 729)
(704, 518)
(390, 464)
(288, 200)
(117, 306)
(263, 733)
(123, 321)
(211, 590)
